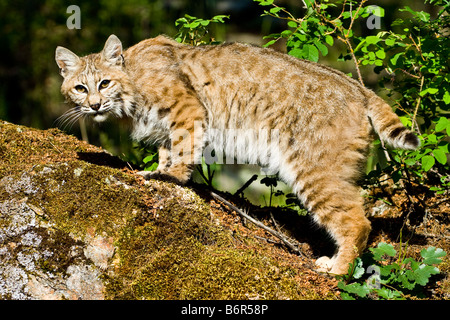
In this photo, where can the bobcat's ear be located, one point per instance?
(112, 52)
(66, 60)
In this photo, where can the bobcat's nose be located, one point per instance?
(95, 106)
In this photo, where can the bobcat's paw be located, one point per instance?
(324, 264)
(331, 265)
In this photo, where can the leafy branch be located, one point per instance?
(414, 55)
(391, 279)
(194, 31)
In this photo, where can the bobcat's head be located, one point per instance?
(97, 85)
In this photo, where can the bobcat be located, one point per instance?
(187, 98)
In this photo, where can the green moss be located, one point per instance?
(65, 251)
(167, 244)
(181, 254)
(80, 196)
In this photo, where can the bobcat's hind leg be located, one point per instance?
(350, 229)
(339, 210)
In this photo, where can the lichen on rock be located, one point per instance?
(75, 223)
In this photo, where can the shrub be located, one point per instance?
(413, 56)
(392, 279)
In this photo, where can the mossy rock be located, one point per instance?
(75, 223)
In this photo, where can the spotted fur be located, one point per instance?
(231, 98)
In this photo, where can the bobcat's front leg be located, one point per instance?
(186, 145)
(163, 158)
(178, 171)
(163, 164)
(186, 149)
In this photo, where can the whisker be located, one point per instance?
(68, 119)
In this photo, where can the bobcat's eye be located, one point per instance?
(80, 88)
(104, 84)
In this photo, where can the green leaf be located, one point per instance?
(296, 52)
(357, 268)
(388, 294)
(220, 18)
(323, 48)
(346, 296)
(390, 42)
(443, 145)
(440, 156)
(446, 97)
(275, 10)
(407, 279)
(271, 42)
(432, 138)
(410, 161)
(424, 16)
(427, 162)
(152, 167)
(304, 26)
(394, 59)
(431, 255)
(433, 90)
(372, 39)
(149, 158)
(264, 2)
(406, 121)
(329, 40)
(310, 52)
(193, 25)
(380, 54)
(442, 124)
(361, 290)
(428, 90)
(292, 24)
(383, 249)
(286, 33)
(423, 274)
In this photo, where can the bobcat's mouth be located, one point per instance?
(100, 117)
(101, 114)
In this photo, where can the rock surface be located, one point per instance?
(75, 223)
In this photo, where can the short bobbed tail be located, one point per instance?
(388, 125)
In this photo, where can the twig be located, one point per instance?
(54, 146)
(245, 186)
(352, 53)
(440, 202)
(267, 240)
(409, 74)
(417, 47)
(259, 224)
(417, 105)
(274, 222)
(426, 234)
(353, 17)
